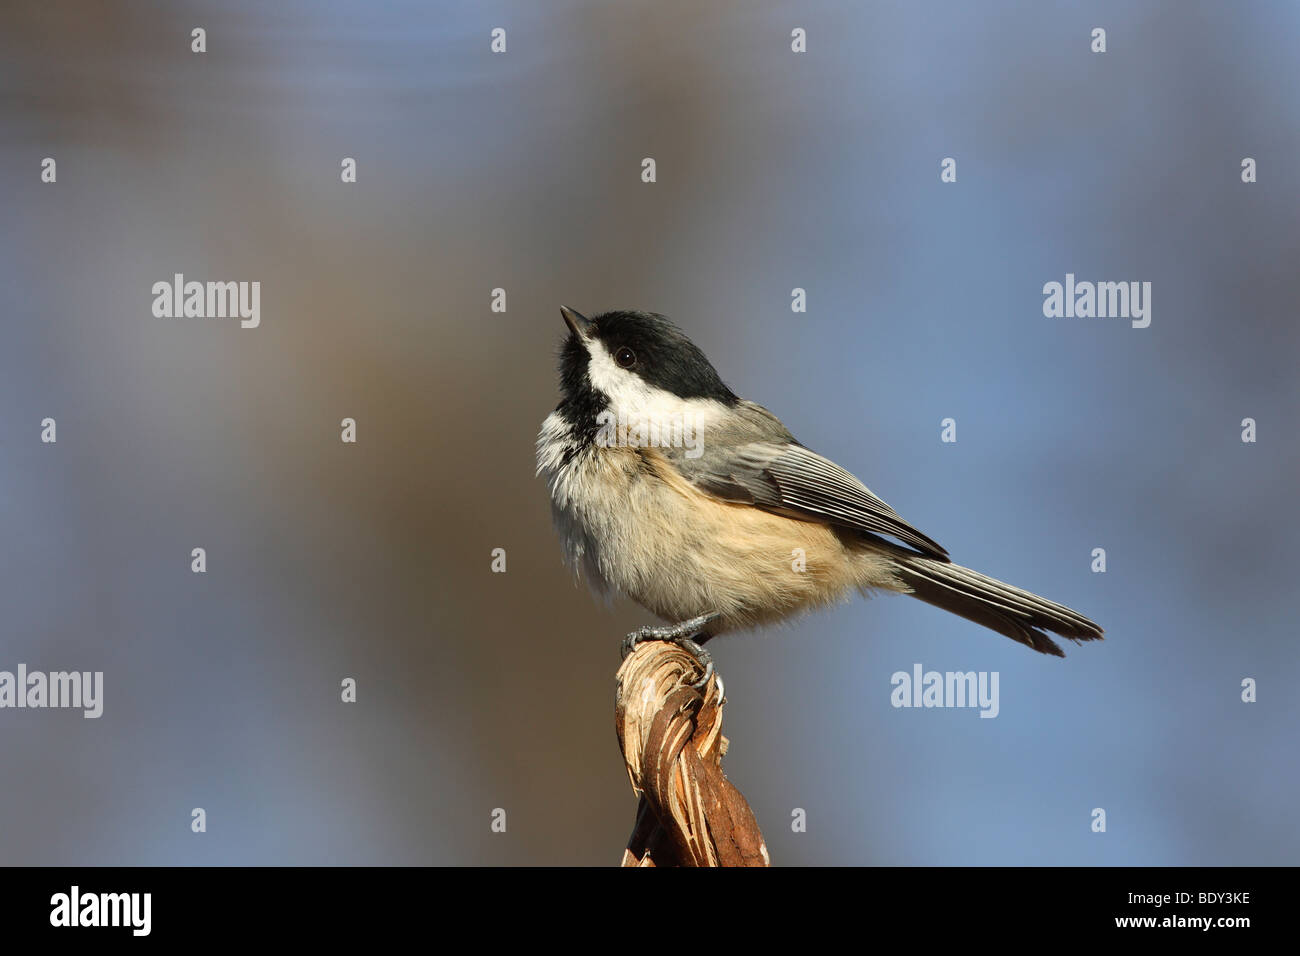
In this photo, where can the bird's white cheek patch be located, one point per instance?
(625, 390)
(638, 408)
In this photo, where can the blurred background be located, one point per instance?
(521, 171)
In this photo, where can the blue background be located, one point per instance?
(522, 171)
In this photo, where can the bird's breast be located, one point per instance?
(630, 522)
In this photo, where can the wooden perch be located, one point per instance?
(690, 814)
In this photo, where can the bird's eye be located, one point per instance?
(625, 357)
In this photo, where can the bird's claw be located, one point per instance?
(683, 635)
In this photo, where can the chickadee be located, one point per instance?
(697, 504)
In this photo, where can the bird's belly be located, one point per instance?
(632, 523)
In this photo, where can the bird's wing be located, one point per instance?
(755, 460)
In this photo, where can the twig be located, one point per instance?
(690, 814)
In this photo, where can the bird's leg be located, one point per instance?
(688, 635)
(681, 633)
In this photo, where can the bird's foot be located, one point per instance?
(684, 635)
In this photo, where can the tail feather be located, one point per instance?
(1020, 615)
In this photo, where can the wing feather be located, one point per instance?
(757, 461)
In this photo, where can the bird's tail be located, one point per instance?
(1009, 610)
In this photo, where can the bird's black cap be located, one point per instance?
(663, 356)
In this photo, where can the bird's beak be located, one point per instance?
(581, 325)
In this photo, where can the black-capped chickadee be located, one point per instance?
(705, 510)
